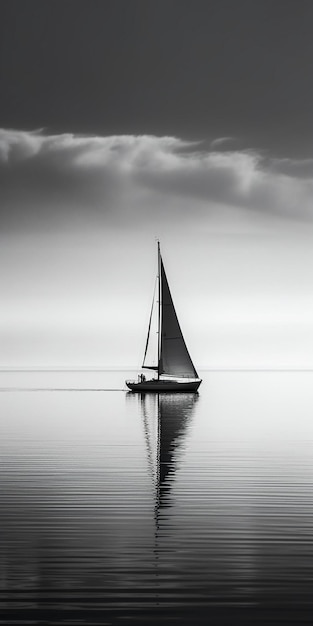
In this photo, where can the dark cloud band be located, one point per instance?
(48, 179)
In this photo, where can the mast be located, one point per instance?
(159, 308)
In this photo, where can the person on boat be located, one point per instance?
(141, 378)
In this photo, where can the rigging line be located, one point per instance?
(159, 308)
(150, 319)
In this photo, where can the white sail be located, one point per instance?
(150, 359)
(174, 356)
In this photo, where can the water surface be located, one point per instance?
(123, 508)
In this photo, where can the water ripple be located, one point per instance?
(157, 509)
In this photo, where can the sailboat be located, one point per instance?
(174, 367)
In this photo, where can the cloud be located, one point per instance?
(51, 179)
(302, 168)
(222, 141)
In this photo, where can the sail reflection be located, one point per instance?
(166, 418)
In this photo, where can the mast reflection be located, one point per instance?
(166, 418)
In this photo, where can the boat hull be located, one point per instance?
(161, 386)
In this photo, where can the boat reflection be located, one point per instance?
(166, 419)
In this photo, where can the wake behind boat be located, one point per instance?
(175, 369)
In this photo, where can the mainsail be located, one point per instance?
(173, 356)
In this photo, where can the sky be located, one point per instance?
(125, 121)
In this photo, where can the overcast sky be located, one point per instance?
(123, 121)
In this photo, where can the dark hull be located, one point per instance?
(162, 386)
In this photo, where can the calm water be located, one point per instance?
(126, 509)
